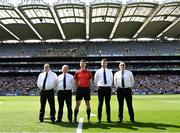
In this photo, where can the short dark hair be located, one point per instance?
(82, 60)
(104, 60)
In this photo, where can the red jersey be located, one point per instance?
(83, 77)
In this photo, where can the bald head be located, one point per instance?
(65, 68)
(46, 67)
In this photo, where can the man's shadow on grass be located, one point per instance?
(153, 125)
(126, 125)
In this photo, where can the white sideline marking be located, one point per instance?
(169, 101)
(92, 115)
(80, 125)
(1, 102)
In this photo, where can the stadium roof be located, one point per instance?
(102, 19)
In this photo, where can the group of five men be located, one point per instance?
(48, 82)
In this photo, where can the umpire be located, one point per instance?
(46, 83)
(103, 79)
(65, 87)
(123, 81)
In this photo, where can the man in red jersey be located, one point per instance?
(83, 79)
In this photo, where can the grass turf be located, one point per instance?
(153, 113)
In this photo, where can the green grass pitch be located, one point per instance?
(153, 113)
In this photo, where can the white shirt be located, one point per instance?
(69, 82)
(50, 82)
(99, 77)
(128, 79)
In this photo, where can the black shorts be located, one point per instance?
(83, 93)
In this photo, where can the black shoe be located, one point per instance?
(109, 121)
(59, 121)
(88, 121)
(53, 121)
(132, 121)
(119, 121)
(74, 121)
(70, 121)
(99, 121)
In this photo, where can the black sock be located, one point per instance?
(75, 114)
(88, 111)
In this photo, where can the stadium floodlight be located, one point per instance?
(11, 41)
(32, 41)
(145, 39)
(53, 40)
(76, 40)
(121, 40)
(99, 40)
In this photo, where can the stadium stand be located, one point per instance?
(91, 49)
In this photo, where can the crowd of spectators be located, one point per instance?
(61, 52)
(17, 85)
(75, 67)
(159, 84)
(144, 84)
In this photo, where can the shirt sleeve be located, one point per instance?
(132, 79)
(73, 82)
(39, 81)
(76, 78)
(95, 77)
(56, 83)
(111, 77)
(115, 80)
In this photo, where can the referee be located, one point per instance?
(123, 81)
(103, 79)
(46, 83)
(83, 79)
(65, 86)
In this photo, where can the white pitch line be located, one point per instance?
(80, 125)
(92, 115)
(1, 102)
(169, 101)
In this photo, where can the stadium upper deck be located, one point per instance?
(90, 49)
(72, 19)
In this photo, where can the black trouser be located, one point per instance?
(44, 95)
(65, 95)
(127, 94)
(104, 92)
